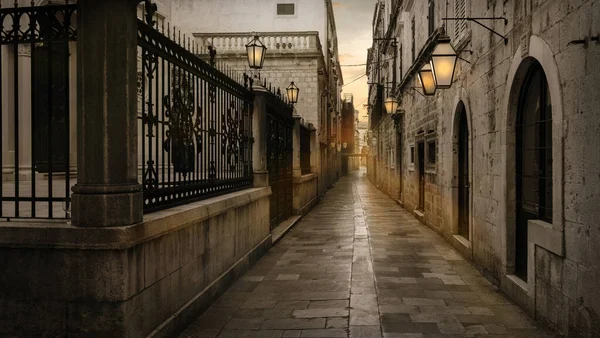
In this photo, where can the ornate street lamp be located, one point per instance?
(391, 105)
(292, 93)
(427, 80)
(339, 147)
(345, 145)
(256, 53)
(443, 63)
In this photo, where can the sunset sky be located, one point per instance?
(353, 20)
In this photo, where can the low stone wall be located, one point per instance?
(305, 193)
(152, 278)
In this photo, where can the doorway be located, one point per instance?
(463, 175)
(421, 164)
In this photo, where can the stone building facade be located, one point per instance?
(505, 163)
(302, 47)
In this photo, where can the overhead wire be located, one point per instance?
(351, 82)
(364, 64)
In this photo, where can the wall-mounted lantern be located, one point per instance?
(391, 105)
(345, 145)
(443, 63)
(339, 147)
(427, 80)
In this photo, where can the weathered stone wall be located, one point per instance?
(561, 287)
(305, 193)
(58, 280)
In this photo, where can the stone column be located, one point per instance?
(7, 108)
(107, 192)
(24, 123)
(296, 135)
(259, 133)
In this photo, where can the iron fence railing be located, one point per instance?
(195, 123)
(280, 148)
(304, 149)
(36, 103)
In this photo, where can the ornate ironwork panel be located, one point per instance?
(195, 124)
(280, 126)
(35, 45)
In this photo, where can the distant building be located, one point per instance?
(302, 47)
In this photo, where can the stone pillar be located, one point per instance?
(296, 135)
(7, 109)
(24, 123)
(259, 133)
(107, 192)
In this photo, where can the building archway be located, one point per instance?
(531, 60)
(462, 173)
(533, 155)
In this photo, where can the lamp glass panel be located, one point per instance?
(391, 105)
(251, 59)
(260, 55)
(427, 80)
(443, 70)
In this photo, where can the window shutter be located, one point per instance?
(460, 11)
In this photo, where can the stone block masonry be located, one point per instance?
(561, 253)
(134, 281)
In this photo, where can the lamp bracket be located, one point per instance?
(477, 21)
(465, 60)
(585, 41)
(415, 89)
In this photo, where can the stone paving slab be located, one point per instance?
(358, 265)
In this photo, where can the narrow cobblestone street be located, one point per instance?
(359, 265)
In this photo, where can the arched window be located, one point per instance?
(533, 159)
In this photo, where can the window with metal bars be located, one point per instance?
(431, 16)
(431, 152)
(286, 9)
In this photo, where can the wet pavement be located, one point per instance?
(358, 265)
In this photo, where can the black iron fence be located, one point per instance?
(36, 96)
(280, 129)
(305, 149)
(195, 123)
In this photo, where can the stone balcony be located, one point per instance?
(282, 42)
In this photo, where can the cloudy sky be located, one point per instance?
(353, 20)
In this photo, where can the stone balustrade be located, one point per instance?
(274, 41)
